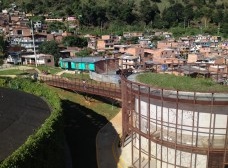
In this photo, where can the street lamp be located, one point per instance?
(33, 41)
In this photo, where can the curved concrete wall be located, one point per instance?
(187, 125)
(173, 128)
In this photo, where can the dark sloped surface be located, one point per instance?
(20, 115)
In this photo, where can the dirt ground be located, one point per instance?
(20, 115)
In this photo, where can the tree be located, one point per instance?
(148, 11)
(169, 16)
(174, 14)
(100, 15)
(126, 13)
(155, 1)
(131, 40)
(213, 1)
(84, 53)
(28, 7)
(2, 49)
(56, 26)
(113, 9)
(225, 16)
(50, 47)
(199, 3)
(75, 41)
(159, 23)
(68, 11)
(188, 13)
(217, 16)
(224, 29)
(103, 14)
(207, 13)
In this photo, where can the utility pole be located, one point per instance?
(33, 41)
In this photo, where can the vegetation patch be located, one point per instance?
(102, 106)
(13, 72)
(50, 70)
(76, 75)
(184, 83)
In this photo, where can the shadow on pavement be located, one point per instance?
(81, 128)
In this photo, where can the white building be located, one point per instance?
(38, 59)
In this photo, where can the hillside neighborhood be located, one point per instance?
(110, 51)
(73, 97)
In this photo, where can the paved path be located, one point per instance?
(65, 71)
(105, 155)
(109, 155)
(106, 138)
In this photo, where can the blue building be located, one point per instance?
(80, 63)
(96, 64)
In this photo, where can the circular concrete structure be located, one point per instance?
(171, 128)
(21, 114)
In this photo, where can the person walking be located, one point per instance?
(84, 84)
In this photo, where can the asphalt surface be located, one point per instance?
(20, 115)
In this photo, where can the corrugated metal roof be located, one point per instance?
(128, 57)
(193, 69)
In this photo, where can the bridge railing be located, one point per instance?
(81, 85)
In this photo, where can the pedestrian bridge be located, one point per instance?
(86, 86)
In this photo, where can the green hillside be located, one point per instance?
(209, 15)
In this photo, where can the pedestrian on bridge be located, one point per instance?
(84, 84)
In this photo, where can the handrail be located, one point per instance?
(92, 87)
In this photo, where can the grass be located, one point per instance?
(13, 72)
(98, 105)
(51, 70)
(82, 121)
(183, 83)
(16, 71)
(79, 76)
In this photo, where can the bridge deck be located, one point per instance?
(92, 87)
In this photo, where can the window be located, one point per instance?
(19, 32)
